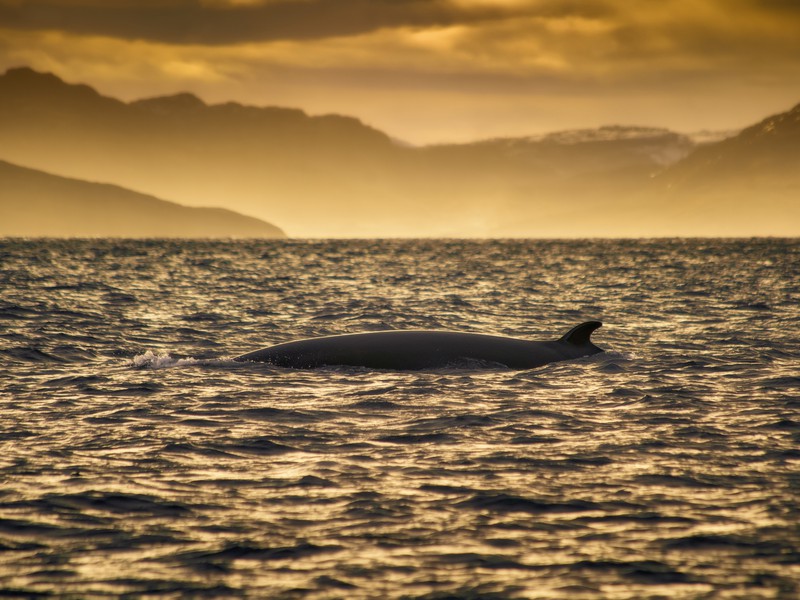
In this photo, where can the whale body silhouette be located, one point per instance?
(420, 349)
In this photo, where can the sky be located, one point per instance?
(430, 71)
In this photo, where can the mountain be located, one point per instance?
(548, 186)
(748, 184)
(333, 175)
(318, 176)
(766, 152)
(34, 204)
(275, 163)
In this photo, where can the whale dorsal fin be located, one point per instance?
(580, 334)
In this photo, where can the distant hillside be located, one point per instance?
(276, 163)
(33, 204)
(748, 184)
(335, 176)
(318, 176)
(766, 152)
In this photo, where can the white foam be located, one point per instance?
(151, 360)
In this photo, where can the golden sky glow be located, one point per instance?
(431, 70)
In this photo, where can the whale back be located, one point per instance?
(415, 350)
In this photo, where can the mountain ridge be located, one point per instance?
(332, 175)
(39, 204)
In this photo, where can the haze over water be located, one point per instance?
(137, 459)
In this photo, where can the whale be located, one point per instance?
(415, 350)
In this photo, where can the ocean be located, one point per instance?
(137, 460)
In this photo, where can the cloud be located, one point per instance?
(472, 60)
(516, 43)
(220, 22)
(116, 64)
(234, 21)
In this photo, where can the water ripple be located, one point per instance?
(139, 460)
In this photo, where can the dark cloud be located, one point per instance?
(723, 36)
(218, 22)
(185, 22)
(792, 6)
(221, 22)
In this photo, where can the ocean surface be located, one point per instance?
(137, 460)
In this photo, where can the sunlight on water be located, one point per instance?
(138, 458)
